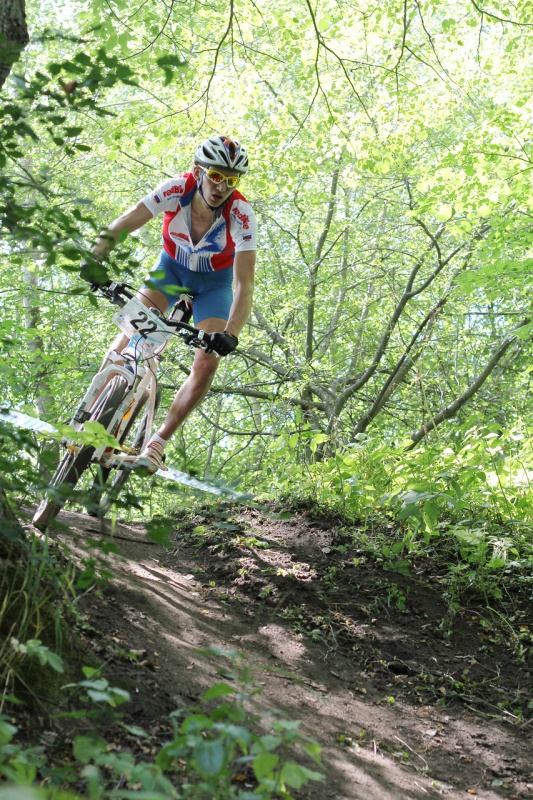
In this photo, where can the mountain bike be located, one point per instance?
(123, 397)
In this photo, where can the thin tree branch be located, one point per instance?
(485, 13)
(403, 366)
(311, 296)
(451, 410)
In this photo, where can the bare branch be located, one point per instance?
(403, 366)
(321, 42)
(276, 338)
(409, 292)
(311, 296)
(269, 397)
(404, 39)
(483, 12)
(156, 37)
(451, 410)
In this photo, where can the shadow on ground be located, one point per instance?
(402, 706)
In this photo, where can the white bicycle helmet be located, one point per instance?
(221, 151)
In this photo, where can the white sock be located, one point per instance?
(156, 438)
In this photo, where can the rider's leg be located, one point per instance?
(194, 389)
(189, 396)
(213, 297)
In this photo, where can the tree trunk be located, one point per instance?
(13, 35)
(32, 321)
(44, 399)
(11, 531)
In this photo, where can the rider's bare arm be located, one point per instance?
(132, 219)
(243, 276)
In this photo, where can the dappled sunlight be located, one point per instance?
(373, 391)
(356, 658)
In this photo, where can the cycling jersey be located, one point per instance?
(234, 229)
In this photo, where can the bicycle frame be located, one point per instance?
(140, 378)
(116, 398)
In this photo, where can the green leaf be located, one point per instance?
(215, 649)
(87, 748)
(90, 672)
(168, 76)
(82, 58)
(210, 757)
(158, 530)
(94, 272)
(171, 60)
(55, 661)
(444, 212)
(264, 765)
(7, 731)
(313, 749)
(296, 776)
(95, 434)
(135, 730)
(218, 690)
(112, 695)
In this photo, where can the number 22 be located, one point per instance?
(149, 327)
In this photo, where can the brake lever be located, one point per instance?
(116, 293)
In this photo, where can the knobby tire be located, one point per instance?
(72, 465)
(122, 476)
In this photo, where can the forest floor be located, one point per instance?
(406, 701)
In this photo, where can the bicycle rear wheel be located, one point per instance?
(73, 464)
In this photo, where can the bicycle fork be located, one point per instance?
(136, 384)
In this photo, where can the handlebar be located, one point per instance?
(119, 293)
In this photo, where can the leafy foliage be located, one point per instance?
(393, 287)
(392, 176)
(208, 749)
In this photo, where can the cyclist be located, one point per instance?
(209, 250)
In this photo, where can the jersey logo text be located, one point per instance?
(173, 190)
(244, 218)
(179, 236)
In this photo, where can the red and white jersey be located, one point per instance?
(234, 229)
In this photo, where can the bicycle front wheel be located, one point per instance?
(134, 436)
(74, 463)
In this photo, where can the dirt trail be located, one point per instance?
(355, 653)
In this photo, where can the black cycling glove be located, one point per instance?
(221, 343)
(94, 273)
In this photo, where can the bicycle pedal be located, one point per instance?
(130, 451)
(124, 461)
(145, 466)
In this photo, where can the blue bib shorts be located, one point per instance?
(212, 292)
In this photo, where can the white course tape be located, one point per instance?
(21, 420)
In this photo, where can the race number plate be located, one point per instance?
(147, 332)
